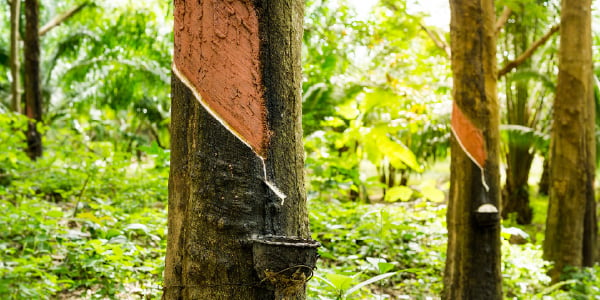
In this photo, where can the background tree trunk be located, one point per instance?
(515, 195)
(33, 94)
(571, 223)
(15, 66)
(226, 187)
(473, 255)
(544, 183)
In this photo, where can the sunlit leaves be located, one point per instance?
(339, 282)
(363, 242)
(379, 146)
(431, 192)
(402, 193)
(12, 141)
(331, 37)
(375, 94)
(81, 219)
(114, 57)
(525, 137)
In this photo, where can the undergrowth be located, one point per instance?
(88, 222)
(83, 222)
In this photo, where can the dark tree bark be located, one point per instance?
(473, 255)
(571, 225)
(33, 94)
(544, 183)
(234, 190)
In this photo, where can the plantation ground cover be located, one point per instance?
(87, 222)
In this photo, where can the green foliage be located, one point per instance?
(381, 128)
(345, 285)
(12, 142)
(384, 248)
(576, 284)
(581, 283)
(525, 136)
(396, 193)
(371, 115)
(87, 220)
(331, 35)
(109, 69)
(523, 269)
(393, 251)
(83, 221)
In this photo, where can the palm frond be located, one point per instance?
(529, 74)
(70, 47)
(512, 134)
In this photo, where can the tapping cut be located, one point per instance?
(217, 57)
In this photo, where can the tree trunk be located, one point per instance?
(15, 7)
(33, 94)
(515, 195)
(236, 188)
(571, 223)
(473, 255)
(544, 183)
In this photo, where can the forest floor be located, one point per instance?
(93, 226)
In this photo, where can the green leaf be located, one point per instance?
(378, 98)
(367, 282)
(396, 193)
(140, 227)
(333, 122)
(348, 111)
(112, 232)
(88, 216)
(525, 137)
(378, 142)
(385, 267)
(557, 286)
(340, 282)
(432, 193)
(525, 75)
(55, 214)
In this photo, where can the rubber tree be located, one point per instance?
(238, 225)
(571, 225)
(15, 63)
(525, 110)
(31, 65)
(31, 83)
(473, 254)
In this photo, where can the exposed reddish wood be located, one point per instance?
(469, 137)
(217, 53)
